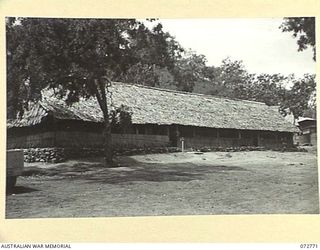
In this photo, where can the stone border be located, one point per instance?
(56, 155)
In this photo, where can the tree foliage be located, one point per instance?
(121, 119)
(188, 70)
(79, 58)
(232, 80)
(300, 99)
(303, 29)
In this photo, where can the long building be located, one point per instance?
(159, 117)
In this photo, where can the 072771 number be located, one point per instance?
(304, 246)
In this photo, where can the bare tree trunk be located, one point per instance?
(107, 142)
(102, 100)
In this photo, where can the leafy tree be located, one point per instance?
(231, 80)
(140, 73)
(269, 89)
(303, 29)
(16, 92)
(158, 53)
(78, 58)
(232, 72)
(188, 70)
(300, 99)
(121, 119)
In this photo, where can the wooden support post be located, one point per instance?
(239, 138)
(182, 144)
(177, 132)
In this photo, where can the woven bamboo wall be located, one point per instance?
(84, 139)
(199, 142)
(41, 139)
(274, 140)
(136, 140)
(88, 139)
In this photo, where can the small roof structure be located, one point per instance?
(151, 105)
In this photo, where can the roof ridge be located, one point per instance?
(191, 93)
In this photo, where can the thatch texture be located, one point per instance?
(165, 107)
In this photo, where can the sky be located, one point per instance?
(258, 42)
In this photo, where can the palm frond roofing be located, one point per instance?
(164, 107)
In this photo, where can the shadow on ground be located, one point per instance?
(131, 170)
(20, 190)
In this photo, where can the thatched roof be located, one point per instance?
(165, 107)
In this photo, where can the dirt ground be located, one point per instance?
(258, 182)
